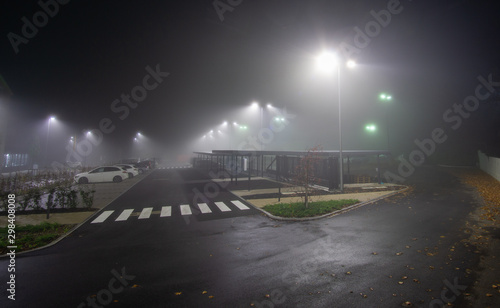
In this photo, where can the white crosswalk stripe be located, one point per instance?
(240, 205)
(185, 209)
(223, 207)
(124, 215)
(166, 211)
(146, 212)
(204, 208)
(102, 217)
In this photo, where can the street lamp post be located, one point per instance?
(47, 140)
(386, 98)
(325, 62)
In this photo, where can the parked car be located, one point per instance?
(149, 164)
(102, 174)
(131, 169)
(140, 168)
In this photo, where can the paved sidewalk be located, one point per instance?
(361, 196)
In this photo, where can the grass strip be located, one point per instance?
(317, 208)
(33, 236)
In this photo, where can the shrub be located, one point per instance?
(71, 197)
(87, 193)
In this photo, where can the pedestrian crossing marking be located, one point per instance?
(102, 217)
(204, 208)
(175, 167)
(124, 215)
(240, 205)
(166, 211)
(146, 212)
(185, 209)
(222, 206)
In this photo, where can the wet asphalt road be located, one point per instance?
(406, 248)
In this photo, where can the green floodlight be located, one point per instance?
(371, 128)
(385, 97)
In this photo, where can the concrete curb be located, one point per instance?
(335, 213)
(75, 227)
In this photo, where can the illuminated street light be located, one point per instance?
(51, 119)
(386, 97)
(371, 128)
(325, 62)
(256, 105)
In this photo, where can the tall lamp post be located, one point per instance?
(325, 62)
(261, 114)
(47, 140)
(386, 98)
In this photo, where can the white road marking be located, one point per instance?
(124, 215)
(204, 208)
(185, 209)
(240, 205)
(102, 217)
(222, 207)
(166, 211)
(146, 212)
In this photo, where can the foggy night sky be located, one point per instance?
(90, 52)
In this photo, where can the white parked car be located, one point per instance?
(131, 169)
(102, 174)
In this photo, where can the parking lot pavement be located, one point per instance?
(105, 194)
